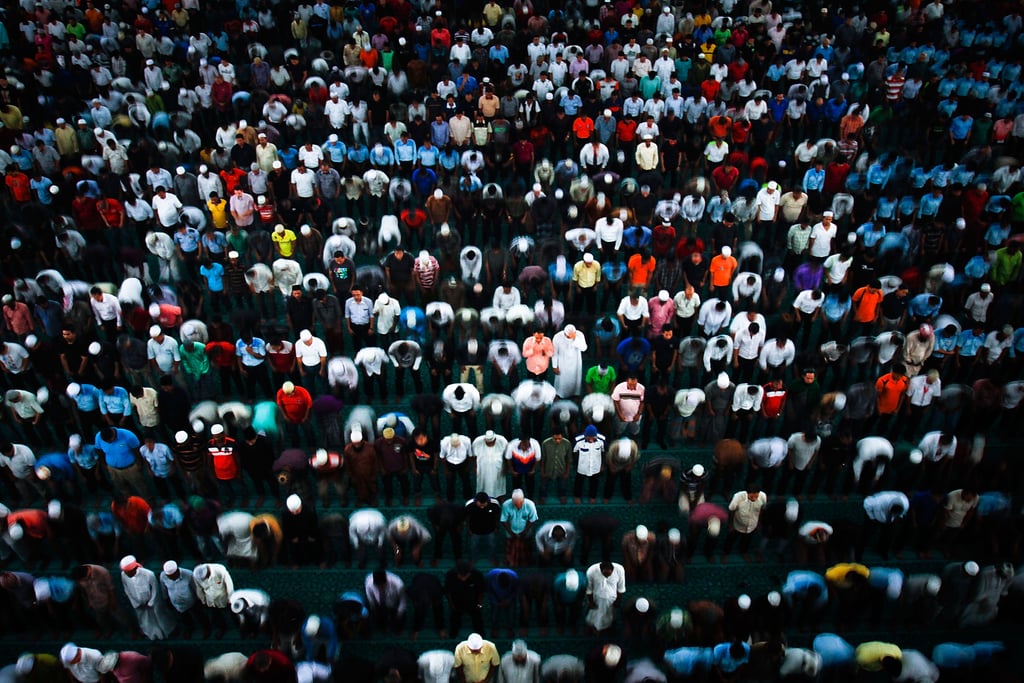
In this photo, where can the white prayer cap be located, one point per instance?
(675, 619)
(68, 653)
(612, 655)
(723, 380)
(294, 503)
(643, 605)
(774, 598)
(743, 602)
(572, 579)
(170, 567)
(727, 251)
(217, 429)
(642, 533)
(312, 626)
(971, 568)
(180, 437)
(475, 641)
(74, 389)
(155, 331)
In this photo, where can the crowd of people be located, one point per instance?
(725, 261)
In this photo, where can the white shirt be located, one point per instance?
(921, 393)
(934, 451)
(167, 209)
(606, 588)
(766, 202)
(821, 239)
(108, 308)
(455, 454)
(590, 455)
(310, 354)
(806, 303)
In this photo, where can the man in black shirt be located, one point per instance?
(398, 269)
(446, 520)
(256, 455)
(426, 595)
(482, 516)
(300, 310)
(342, 271)
(464, 587)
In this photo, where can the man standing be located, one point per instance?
(629, 405)
(143, 591)
(606, 582)
(567, 361)
(358, 317)
(482, 516)
(518, 515)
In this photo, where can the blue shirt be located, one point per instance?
(118, 453)
(571, 104)
(167, 516)
(116, 402)
(724, 659)
(689, 660)
(358, 154)
(798, 583)
(405, 150)
(633, 354)
(382, 156)
(86, 458)
(814, 179)
(970, 343)
(335, 151)
(358, 312)
(62, 589)
(249, 360)
(187, 241)
(88, 398)
(835, 652)
(960, 127)
(920, 308)
(59, 465)
(214, 274)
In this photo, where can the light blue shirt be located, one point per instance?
(116, 402)
(248, 359)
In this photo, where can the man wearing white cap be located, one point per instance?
(606, 583)
(567, 361)
(144, 595)
(476, 660)
(82, 663)
(436, 666)
(162, 351)
(766, 204)
(214, 586)
(179, 587)
(822, 235)
(519, 665)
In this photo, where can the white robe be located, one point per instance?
(143, 591)
(490, 464)
(568, 360)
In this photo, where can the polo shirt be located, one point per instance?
(518, 518)
(119, 452)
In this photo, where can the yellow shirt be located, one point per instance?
(586, 276)
(285, 242)
(836, 574)
(218, 213)
(476, 665)
(869, 655)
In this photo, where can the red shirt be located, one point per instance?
(36, 522)
(772, 403)
(225, 464)
(626, 130)
(295, 406)
(221, 353)
(133, 514)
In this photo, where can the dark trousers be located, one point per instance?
(625, 481)
(476, 617)
(462, 472)
(592, 482)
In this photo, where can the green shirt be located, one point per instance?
(1006, 267)
(195, 363)
(601, 384)
(239, 241)
(555, 456)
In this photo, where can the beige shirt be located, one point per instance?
(746, 512)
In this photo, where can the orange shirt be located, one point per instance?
(20, 186)
(866, 303)
(640, 272)
(890, 390)
(583, 127)
(722, 269)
